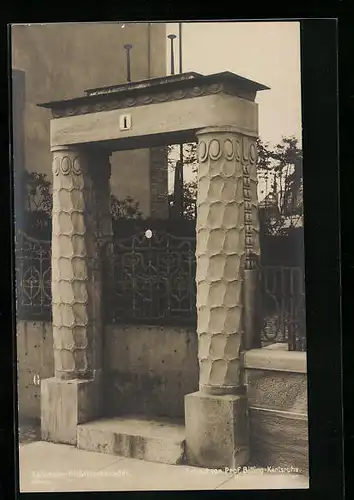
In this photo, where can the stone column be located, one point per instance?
(216, 416)
(73, 395)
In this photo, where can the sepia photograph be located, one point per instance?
(159, 255)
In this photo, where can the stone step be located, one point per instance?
(153, 440)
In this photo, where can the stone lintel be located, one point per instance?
(165, 120)
(217, 433)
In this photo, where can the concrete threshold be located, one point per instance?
(153, 440)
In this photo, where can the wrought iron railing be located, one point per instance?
(33, 278)
(283, 306)
(153, 279)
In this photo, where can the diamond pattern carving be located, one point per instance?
(76, 273)
(223, 224)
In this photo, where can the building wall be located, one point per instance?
(60, 61)
(18, 109)
(149, 369)
(159, 206)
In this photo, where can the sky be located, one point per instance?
(267, 52)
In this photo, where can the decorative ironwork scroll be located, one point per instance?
(33, 278)
(153, 279)
(283, 300)
(154, 283)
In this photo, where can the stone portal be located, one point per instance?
(219, 110)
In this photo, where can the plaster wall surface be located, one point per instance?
(149, 369)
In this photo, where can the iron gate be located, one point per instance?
(153, 279)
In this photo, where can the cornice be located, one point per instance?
(109, 102)
(159, 90)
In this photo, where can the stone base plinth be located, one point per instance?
(64, 405)
(217, 431)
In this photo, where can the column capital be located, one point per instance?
(68, 161)
(226, 142)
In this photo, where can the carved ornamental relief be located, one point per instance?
(81, 108)
(226, 206)
(76, 268)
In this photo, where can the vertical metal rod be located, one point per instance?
(128, 48)
(172, 37)
(181, 179)
(180, 46)
(181, 146)
(149, 50)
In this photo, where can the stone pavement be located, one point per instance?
(46, 467)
